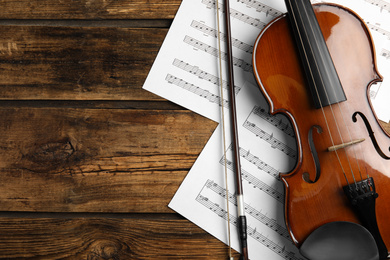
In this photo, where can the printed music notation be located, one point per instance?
(269, 138)
(385, 53)
(260, 164)
(255, 160)
(383, 5)
(202, 74)
(260, 7)
(238, 15)
(275, 121)
(203, 93)
(199, 49)
(255, 182)
(207, 30)
(262, 239)
(215, 52)
(377, 28)
(251, 211)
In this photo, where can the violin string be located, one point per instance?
(223, 128)
(342, 113)
(350, 137)
(317, 93)
(364, 154)
(354, 146)
(360, 145)
(337, 123)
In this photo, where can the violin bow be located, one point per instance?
(241, 218)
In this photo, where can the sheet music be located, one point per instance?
(267, 147)
(186, 71)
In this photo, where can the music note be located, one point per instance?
(269, 138)
(214, 52)
(385, 53)
(377, 28)
(383, 5)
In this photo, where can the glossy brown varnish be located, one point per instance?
(280, 77)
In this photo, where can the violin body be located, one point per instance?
(338, 144)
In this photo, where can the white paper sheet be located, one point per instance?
(186, 72)
(186, 68)
(267, 147)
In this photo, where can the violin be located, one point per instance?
(315, 65)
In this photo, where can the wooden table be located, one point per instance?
(90, 160)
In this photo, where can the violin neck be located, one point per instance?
(322, 78)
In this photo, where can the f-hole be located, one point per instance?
(371, 133)
(306, 175)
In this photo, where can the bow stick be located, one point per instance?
(241, 220)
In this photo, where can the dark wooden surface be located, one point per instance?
(90, 160)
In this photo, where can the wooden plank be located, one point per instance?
(94, 104)
(63, 63)
(106, 239)
(121, 23)
(96, 160)
(88, 9)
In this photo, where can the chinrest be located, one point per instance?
(340, 241)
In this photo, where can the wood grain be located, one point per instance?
(106, 238)
(84, 144)
(77, 63)
(90, 160)
(96, 160)
(88, 9)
